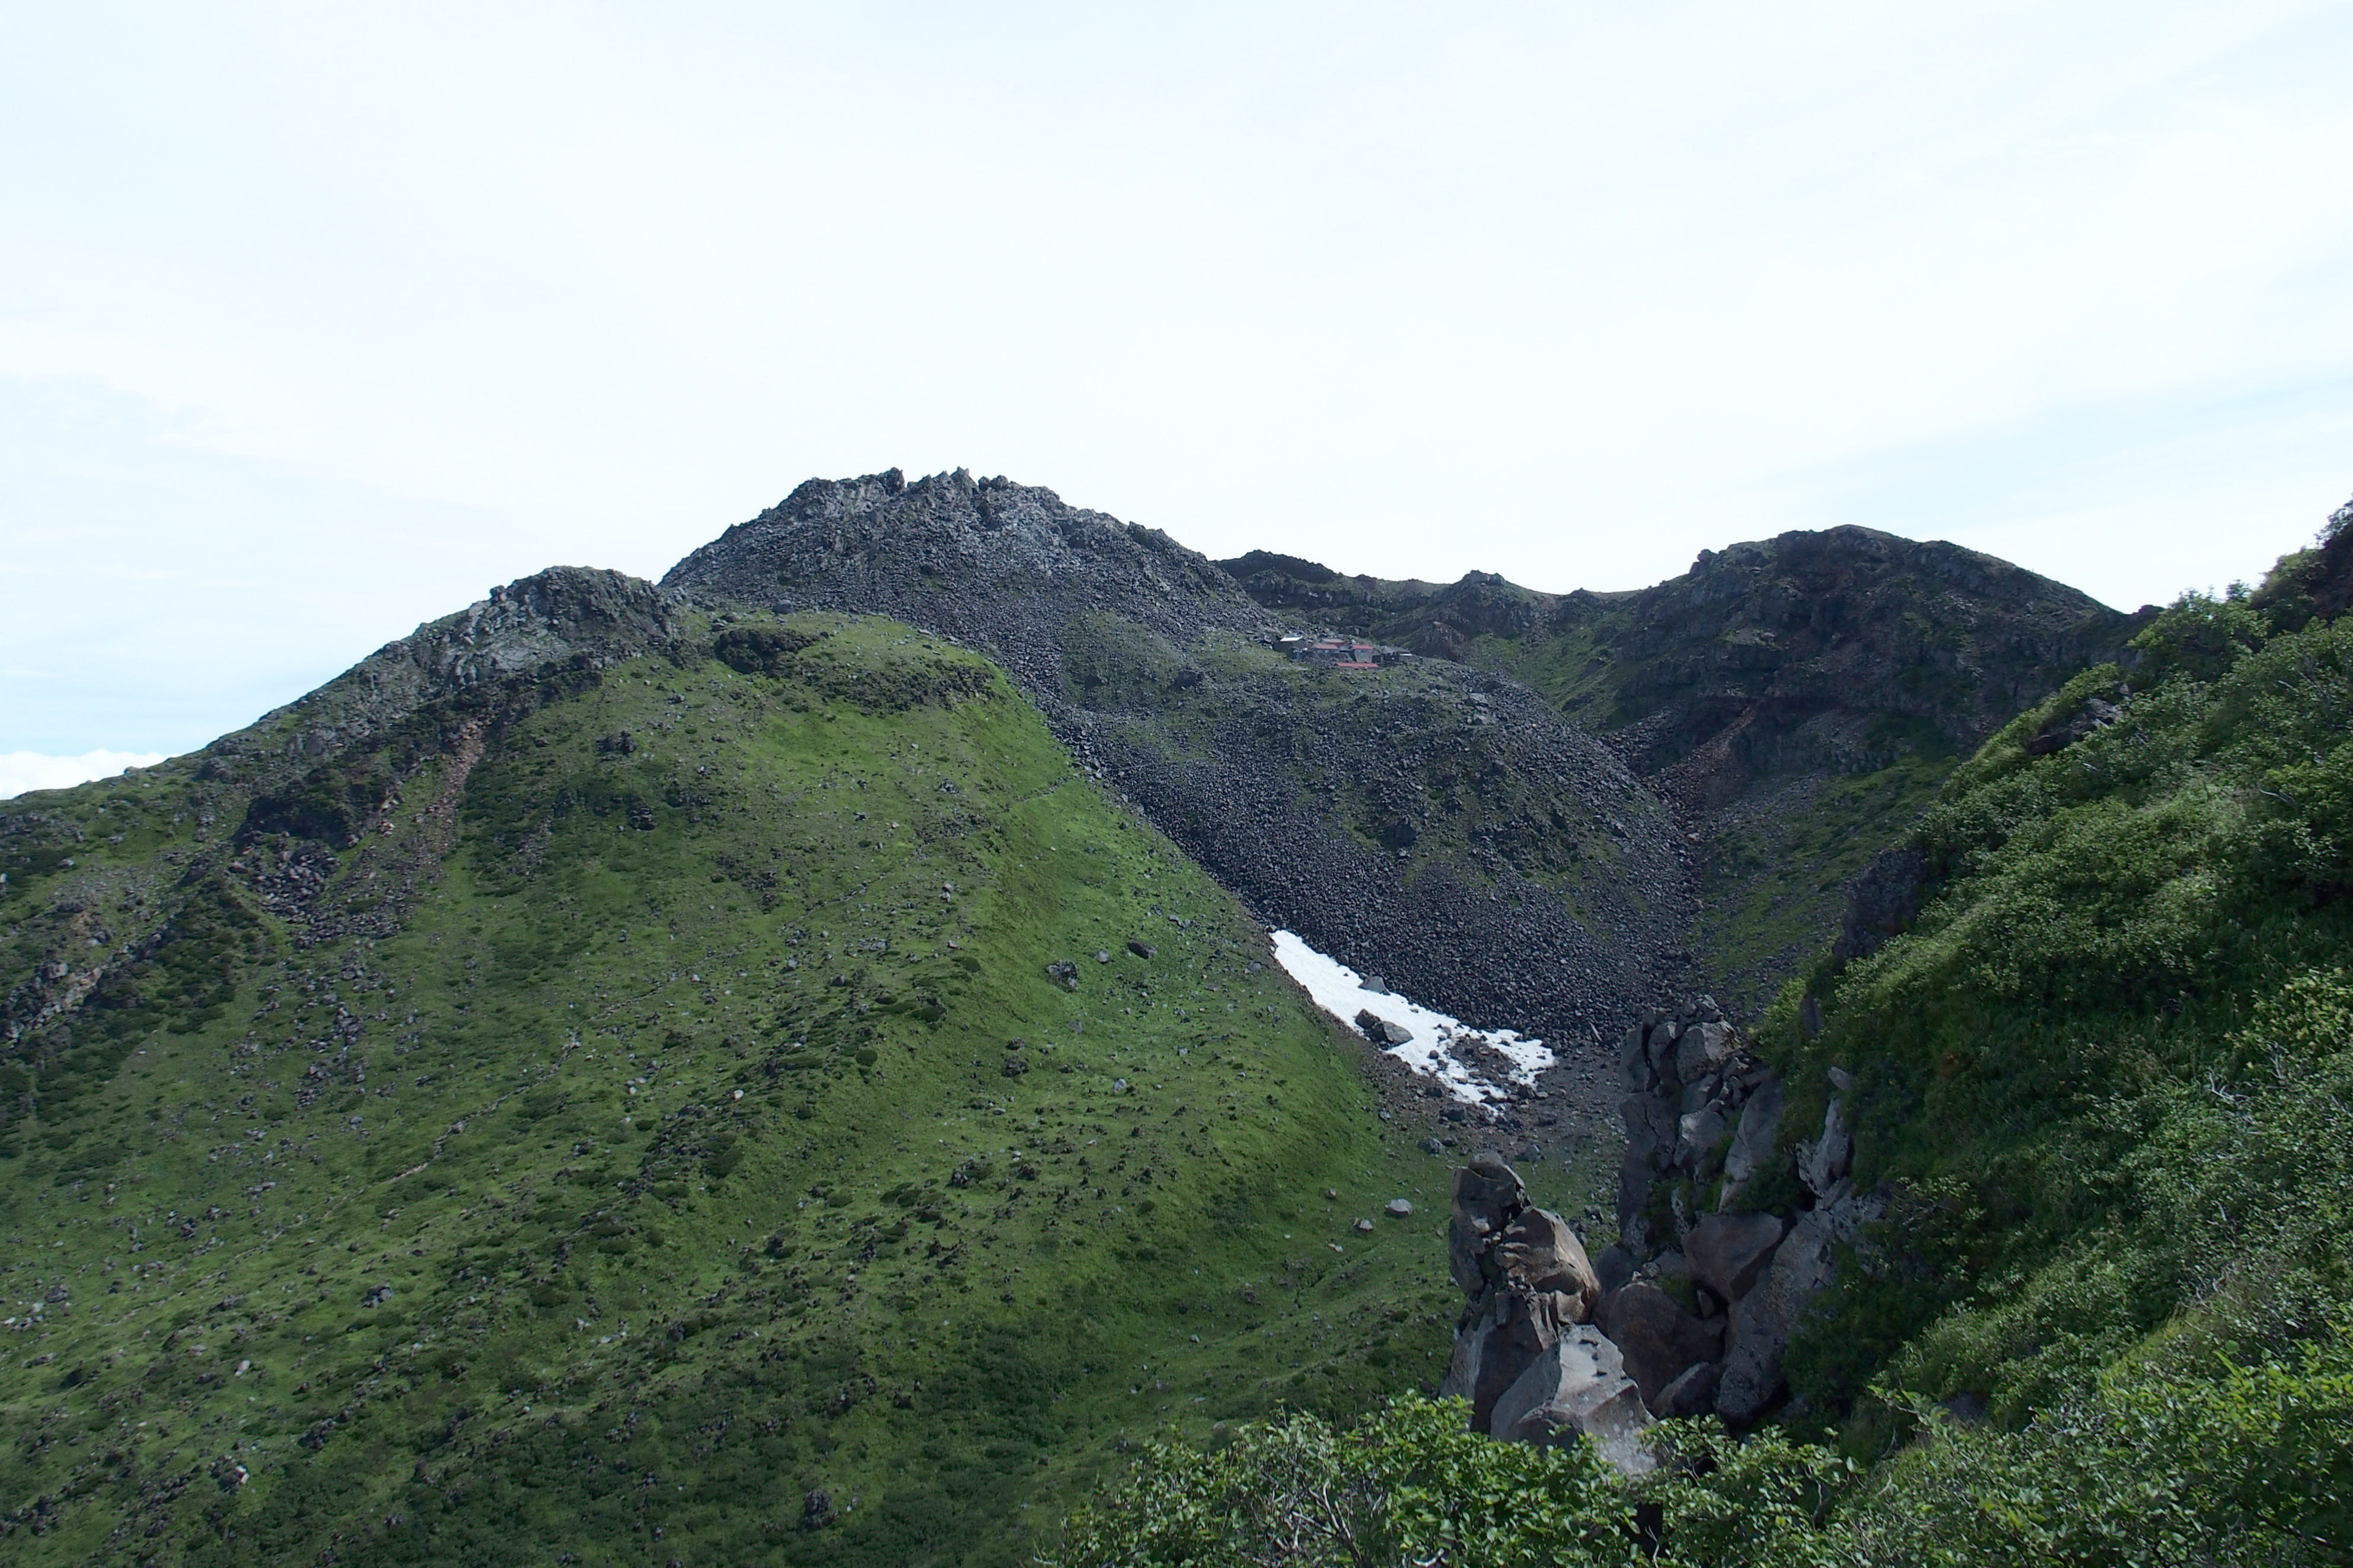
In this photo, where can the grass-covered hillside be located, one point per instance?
(2105, 1079)
(598, 1095)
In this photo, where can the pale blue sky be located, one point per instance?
(316, 320)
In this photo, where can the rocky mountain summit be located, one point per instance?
(1797, 699)
(1400, 818)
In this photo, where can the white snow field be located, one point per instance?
(1437, 1048)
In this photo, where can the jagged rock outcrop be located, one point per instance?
(1763, 1317)
(1577, 1389)
(1714, 1291)
(1659, 1337)
(1687, 1109)
(1395, 821)
(562, 616)
(1524, 1355)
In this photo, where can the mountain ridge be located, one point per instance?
(1797, 700)
(1393, 817)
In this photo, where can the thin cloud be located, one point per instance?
(21, 772)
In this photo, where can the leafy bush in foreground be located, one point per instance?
(2191, 1459)
(1414, 1484)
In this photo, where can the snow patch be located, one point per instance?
(1465, 1061)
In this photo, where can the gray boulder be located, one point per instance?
(1657, 1338)
(1487, 1193)
(1696, 1137)
(1760, 1120)
(1823, 1162)
(1527, 1278)
(1658, 1050)
(1703, 1048)
(1692, 1393)
(1539, 1250)
(1577, 1386)
(1762, 1321)
(1726, 1252)
(1751, 1141)
(1508, 1331)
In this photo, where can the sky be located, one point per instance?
(316, 320)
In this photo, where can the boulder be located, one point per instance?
(1657, 1339)
(1703, 1048)
(1579, 1387)
(1538, 1249)
(1762, 1321)
(1726, 1252)
(1380, 1030)
(1751, 1141)
(1696, 1137)
(1823, 1162)
(1658, 1050)
(1692, 1393)
(1487, 1194)
(1508, 1330)
(1526, 1275)
(1399, 1207)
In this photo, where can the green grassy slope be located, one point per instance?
(521, 1141)
(2106, 1077)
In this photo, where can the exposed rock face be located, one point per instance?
(1658, 1339)
(1753, 1138)
(1577, 1389)
(1689, 1087)
(1726, 1252)
(1699, 1105)
(1397, 819)
(1692, 1393)
(565, 616)
(1523, 1357)
(1823, 1162)
(1767, 1315)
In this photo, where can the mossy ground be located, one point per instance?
(659, 1166)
